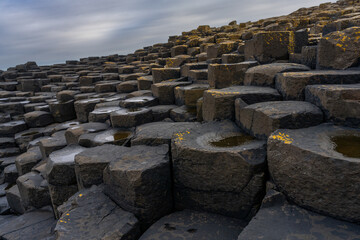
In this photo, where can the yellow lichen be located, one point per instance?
(285, 138)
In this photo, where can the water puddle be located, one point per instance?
(232, 141)
(349, 146)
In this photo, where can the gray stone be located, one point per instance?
(207, 176)
(163, 74)
(33, 190)
(90, 163)
(292, 85)
(264, 75)
(26, 161)
(72, 134)
(89, 214)
(164, 91)
(226, 75)
(194, 225)
(115, 136)
(10, 128)
(14, 199)
(34, 225)
(126, 118)
(38, 119)
(62, 111)
(220, 104)
(139, 102)
(306, 166)
(139, 181)
(261, 119)
(160, 112)
(158, 133)
(84, 107)
(340, 103)
(274, 222)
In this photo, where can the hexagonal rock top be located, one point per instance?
(60, 167)
(194, 225)
(340, 103)
(158, 133)
(217, 168)
(264, 75)
(89, 214)
(274, 221)
(90, 163)
(318, 168)
(261, 119)
(139, 181)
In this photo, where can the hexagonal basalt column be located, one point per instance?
(318, 168)
(126, 118)
(340, 103)
(261, 119)
(139, 182)
(218, 168)
(220, 104)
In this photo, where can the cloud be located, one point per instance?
(51, 32)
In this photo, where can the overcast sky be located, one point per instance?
(52, 31)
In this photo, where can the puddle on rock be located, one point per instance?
(121, 135)
(232, 141)
(349, 146)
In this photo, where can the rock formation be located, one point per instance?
(245, 131)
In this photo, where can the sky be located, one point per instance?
(53, 31)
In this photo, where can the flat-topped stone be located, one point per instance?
(292, 85)
(33, 190)
(164, 91)
(26, 161)
(139, 182)
(220, 104)
(325, 158)
(194, 225)
(261, 119)
(158, 133)
(9, 129)
(218, 168)
(102, 114)
(60, 168)
(139, 102)
(38, 119)
(72, 134)
(126, 118)
(340, 103)
(35, 225)
(264, 75)
(90, 163)
(89, 214)
(274, 222)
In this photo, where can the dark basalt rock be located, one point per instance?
(307, 168)
(89, 214)
(205, 175)
(194, 225)
(274, 221)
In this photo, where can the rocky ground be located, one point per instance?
(246, 131)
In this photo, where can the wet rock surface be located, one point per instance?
(182, 125)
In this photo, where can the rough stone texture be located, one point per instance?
(10, 128)
(14, 200)
(165, 91)
(38, 119)
(158, 133)
(33, 190)
(62, 111)
(340, 50)
(60, 168)
(163, 74)
(274, 222)
(194, 225)
(206, 177)
(126, 118)
(226, 75)
(340, 103)
(220, 104)
(264, 75)
(139, 182)
(307, 169)
(84, 107)
(189, 95)
(89, 214)
(34, 225)
(110, 136)
(72, 134)
(89, 164)
(261, 119)
(292, 85)
(267, 47)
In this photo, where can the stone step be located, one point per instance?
(274, 222)
(206, 164)
(261, 119)
(314, 166)
(194, 225)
